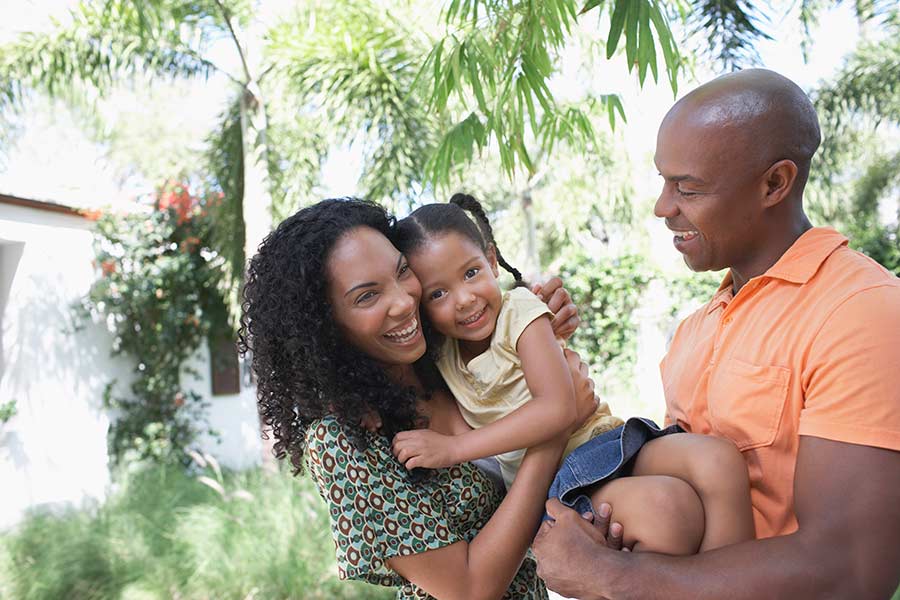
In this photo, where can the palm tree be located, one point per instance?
(111, 42)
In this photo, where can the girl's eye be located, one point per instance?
(435, 294)
(470, 273)
(365, 296)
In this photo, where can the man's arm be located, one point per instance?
(847, 501)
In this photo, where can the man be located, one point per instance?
(796, 359)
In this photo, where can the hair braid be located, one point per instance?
(471, 205)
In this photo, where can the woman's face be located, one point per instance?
(375, 297)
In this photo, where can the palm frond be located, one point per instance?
(357, 65)
(732, 29)
(225, 157)
(864, 94)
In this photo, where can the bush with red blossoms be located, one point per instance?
(158, 287)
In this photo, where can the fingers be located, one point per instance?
(547, 289)
(558, 299)
(601, 518)
(556, 509)
(614, 538)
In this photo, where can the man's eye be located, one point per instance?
(435, 294)
(686, 193)
(470, 273)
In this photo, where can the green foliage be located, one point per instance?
(607, 292)
(165, 534)
(354, 65)
(158, 291)
(493, 68)
(858, 168)
(7, 411)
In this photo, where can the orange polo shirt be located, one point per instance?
(811, 347)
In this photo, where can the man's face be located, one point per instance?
(711, 196)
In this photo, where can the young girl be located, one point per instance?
(508, 373)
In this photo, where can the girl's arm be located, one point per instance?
(550, 412)
(484, 567)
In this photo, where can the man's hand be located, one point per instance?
(585, 399)
(424, 448)
(371, 421)
(570, 546)
(565, 314)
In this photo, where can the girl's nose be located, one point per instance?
(464, 299)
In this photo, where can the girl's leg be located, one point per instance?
(658, 513)
(716, 470)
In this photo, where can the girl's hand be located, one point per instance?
(565, 314)
(424, 448)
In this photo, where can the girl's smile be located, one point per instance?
(460, 292)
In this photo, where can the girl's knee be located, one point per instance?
(659, 513)
(678, 517)
(717, 465)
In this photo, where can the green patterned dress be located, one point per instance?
(376, 512)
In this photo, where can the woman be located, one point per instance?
(331, 315)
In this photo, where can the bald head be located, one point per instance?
(762, 114)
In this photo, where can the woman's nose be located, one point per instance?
(402, 302)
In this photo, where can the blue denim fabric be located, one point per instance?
(602, 458)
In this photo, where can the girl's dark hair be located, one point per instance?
(436, 219)
(304, 368)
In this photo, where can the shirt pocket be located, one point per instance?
(746, 402)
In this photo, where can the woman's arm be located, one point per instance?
(550, 412)
(484, 567)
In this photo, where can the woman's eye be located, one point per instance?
(365, 296)
(404, 268)
(435, 294)
(470, 273)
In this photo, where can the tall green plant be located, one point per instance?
(158, 291)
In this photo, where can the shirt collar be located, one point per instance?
(803, 259)
(798, 265)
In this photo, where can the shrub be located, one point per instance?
(164, 534)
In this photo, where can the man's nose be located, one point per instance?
(665, 206)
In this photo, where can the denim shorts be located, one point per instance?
(602, 459)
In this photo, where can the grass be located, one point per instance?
(165, 534)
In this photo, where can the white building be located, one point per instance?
(53, 451)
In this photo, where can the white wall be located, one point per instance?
(54, 450)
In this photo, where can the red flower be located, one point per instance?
(108, 267)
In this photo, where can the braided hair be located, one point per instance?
(435, 219)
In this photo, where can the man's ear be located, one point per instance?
(779, 181)
(491, 255)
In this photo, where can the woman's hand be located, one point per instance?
(585, 400)
(565, 314)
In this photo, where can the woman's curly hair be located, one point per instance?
(304, 368)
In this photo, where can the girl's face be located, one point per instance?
(459, 281)
(375, 297)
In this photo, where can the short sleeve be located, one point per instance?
(520, 308)
(852, 377)
(375, 510)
